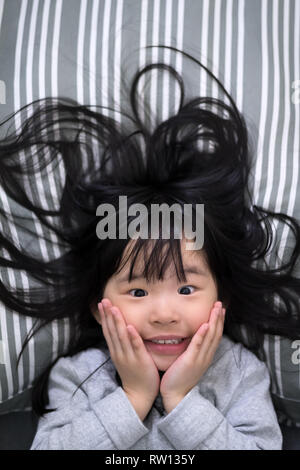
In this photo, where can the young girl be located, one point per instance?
(150, 367)
(181, 386)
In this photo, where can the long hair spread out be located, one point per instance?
(200, 155)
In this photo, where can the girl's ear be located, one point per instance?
(95, 311)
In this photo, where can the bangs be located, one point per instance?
(151, 258)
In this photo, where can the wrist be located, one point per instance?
(140, 403)
(171, 401)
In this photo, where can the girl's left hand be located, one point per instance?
(188, 368)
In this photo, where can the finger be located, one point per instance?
(218, 333)
(214, 319)
(136, 341)
(220, 323)
(197, 340)
(111, 326)
(105, 328)
(215, 331)
(122, 332)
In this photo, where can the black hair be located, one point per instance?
(199, 155)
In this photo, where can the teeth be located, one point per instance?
(167, 341)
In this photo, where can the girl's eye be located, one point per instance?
(139, 292)
(185, 290)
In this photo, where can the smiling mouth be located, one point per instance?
(167, 346)
(167, 341)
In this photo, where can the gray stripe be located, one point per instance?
(251, 61)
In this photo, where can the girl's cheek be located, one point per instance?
(203, 317)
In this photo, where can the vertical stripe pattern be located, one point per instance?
(252, 46)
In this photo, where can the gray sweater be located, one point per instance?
(229, 408)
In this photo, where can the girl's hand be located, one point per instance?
(188, 368)
(136, 368)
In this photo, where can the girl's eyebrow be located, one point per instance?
(195, 270)
(187, 270)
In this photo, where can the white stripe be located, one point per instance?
(277, 357)
(228, 46)
(3, 354)
(276, 106)
(52, 184)
(286, 123)
(204, 47)
(287, 111)
(80, 51)
(105, 51)
(17, 71)
(43, 49)
(271, 160)
(54, 92)
(55, 48)
(93, 52)
(154, 73)
(67, 330)
(117, 58)
(93, 61)
(179, 43)
(6, 358)
(29, 99)
(1, 11)
(264, 101)
(216, 46)
(60, 168)
(240, 54)
(142, 53)
(167, 57)
(266, 346)
(12, 280)
(3, 327)
(81, 67)
(42, 94)
(296, 145)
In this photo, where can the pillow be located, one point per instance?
(50, 49)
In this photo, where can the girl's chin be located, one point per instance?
(163, 364)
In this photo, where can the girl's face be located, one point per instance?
(166, 308)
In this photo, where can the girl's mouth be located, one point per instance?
(167, 346)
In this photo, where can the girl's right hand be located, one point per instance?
(136, 368)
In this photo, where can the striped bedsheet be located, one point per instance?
(83, 49)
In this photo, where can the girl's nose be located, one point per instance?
(164, 311)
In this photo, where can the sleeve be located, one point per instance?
(249, 421)
(78, 424)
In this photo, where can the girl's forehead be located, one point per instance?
(191, 259)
